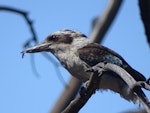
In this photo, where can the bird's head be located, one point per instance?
(58, 41)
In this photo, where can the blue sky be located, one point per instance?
(23, 92)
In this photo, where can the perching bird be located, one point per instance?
(76, 53)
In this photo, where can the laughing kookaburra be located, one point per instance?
(76, 53)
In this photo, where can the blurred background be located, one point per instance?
(22, 91)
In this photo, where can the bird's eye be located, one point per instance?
(53, 38)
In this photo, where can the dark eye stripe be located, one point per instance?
(83, 35)
(65, 39)
(64, 36)
(52, 38)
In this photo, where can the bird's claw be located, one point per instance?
(83, 91)
(100, 67)
(148, 81)
(141, 84)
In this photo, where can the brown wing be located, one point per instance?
(93, 54)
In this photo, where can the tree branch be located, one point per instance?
(144, 6)
(68, 94)
(34, 39)
(104, 21)
(29, 22)
(136, 111)
(85, 93)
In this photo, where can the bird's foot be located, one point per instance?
(99, 68)
(142, 84)
(148, 81)
(83, 91)
(137, 87)
(97, 71)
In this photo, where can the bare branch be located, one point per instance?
(85, 93)
(68, 94)
(104, 21)
(29, 22)
(144, 6)
(34, 39)
(136, 111)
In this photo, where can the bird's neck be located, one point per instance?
(65, 53)
(80, 42)
(70, 60)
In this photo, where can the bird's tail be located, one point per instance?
(136, 95)
(141, 97)
(135, 74)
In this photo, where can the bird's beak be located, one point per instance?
(44, 46)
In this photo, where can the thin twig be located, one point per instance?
(29, 22)
(33, 39)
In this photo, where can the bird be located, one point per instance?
(77, 53)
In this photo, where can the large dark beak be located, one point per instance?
(44, 46)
